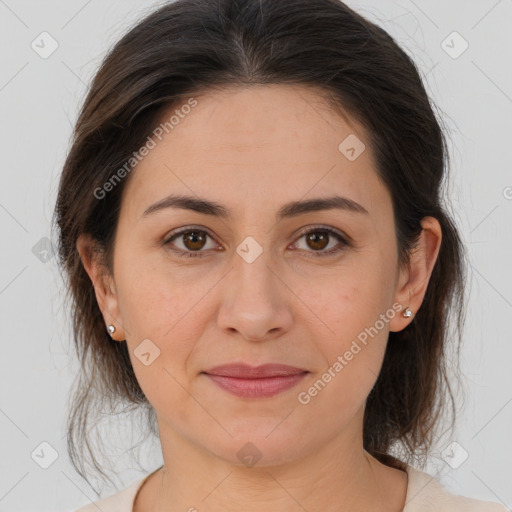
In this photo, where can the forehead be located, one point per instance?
(265, 144)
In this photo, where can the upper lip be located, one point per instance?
(242, 370)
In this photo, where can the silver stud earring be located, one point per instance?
(111, 329)
(407, 312)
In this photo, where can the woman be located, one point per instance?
(251, 221)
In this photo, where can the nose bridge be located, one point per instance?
(252, 273)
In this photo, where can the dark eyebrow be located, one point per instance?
(291, 209)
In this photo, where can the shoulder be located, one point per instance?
(121, 501)
(425, 493)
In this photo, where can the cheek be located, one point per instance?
(166, 308)
(349, 300)
(353, 349)
(353, 314)
(151, 298)
(166, 312)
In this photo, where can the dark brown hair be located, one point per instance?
(189, 47)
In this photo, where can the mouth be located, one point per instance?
(255, 382)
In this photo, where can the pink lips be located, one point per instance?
(255, 382)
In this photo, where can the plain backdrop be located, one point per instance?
(464, 51)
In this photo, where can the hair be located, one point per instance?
(190, 47)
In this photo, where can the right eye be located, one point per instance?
(193, 241)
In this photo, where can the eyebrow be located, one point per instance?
(288, 210)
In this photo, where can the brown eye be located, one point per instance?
(194, 240)
(318, 238)
(189, 242)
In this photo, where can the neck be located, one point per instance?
(330, 479)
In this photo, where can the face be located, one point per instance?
(195, 290)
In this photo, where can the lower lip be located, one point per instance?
(257, 388)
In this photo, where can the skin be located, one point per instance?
(252, 150)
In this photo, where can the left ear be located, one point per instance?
(413, 280)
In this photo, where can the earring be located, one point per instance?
(407, 312)
(111, 330)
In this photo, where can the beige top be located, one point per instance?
(424, 494)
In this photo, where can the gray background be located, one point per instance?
(39, 100)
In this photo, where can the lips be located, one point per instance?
(244, 371)
(255, 381)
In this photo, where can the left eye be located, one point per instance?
(316, 238)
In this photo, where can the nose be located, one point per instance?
(255, 301)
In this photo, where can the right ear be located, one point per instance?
(103, 282)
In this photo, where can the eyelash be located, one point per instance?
(316, 254)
